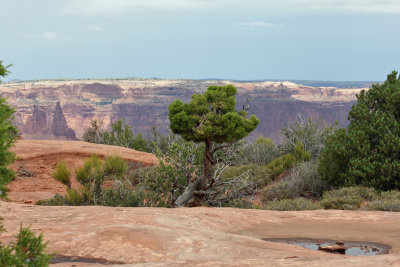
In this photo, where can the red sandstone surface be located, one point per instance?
(41, 158)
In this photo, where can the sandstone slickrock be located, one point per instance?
(203, 236)
(143, 103)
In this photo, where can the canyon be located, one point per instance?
(62, 109)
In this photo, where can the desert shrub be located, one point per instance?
(27, 250)
(384, 205)
(291, 204)
(309, 132)
(262, 152)
(252, 173)
(120, 135)
(278, 191)
(347, 198)
(393, 194)
(122, 194)
(62, 174)
(57, 200)
(287, 161)
(115, 165)
(305, 181)
(280, 164)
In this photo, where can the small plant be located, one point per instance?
(347, 198)
(291, 204)
(62, 174)
(28, 250)
(387, 201)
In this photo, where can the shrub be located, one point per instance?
(384, 205)
(309, 132)
(280, 164)
(262, 152)
(278, 191)
(251, 173)
(291, 204)
(115, 165)
(62, 174)
(28, 250)
(122, 195)
(347, 198)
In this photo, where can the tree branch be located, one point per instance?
(220, 147)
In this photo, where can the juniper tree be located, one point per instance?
(210, 118)
(8, 134)
(368, 151)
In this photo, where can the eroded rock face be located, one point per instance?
(42, 126)
(144, 104)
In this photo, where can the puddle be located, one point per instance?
(352, 248)
(76, 259)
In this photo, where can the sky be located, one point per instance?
(326, 40)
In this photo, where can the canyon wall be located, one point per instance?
(63, 109)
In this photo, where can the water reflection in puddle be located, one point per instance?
(352, 248)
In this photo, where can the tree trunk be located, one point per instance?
(202, 184)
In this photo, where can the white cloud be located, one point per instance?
(256, 24)
(94, 27)
(370, 6)
(108, 7)
(48, 35)
(95, 7)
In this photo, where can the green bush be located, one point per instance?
(280, 190)
(28, 250)
(309, 132)
(347, 198)
(291, 204)
(280, 164)
(250, 173)
(62, 174)
(384, 205)
(122, 194)
(115, 165)
(262, 152)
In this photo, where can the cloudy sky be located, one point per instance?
(328, 40)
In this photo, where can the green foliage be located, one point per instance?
(387, 201)
(368, 152)
(311, 133)
(291, 204)
(28, 250)
(280, 164)
(301, 181)
(91, 176)
(280, 190)
(120, 135)
(262, 152)
(347, 198)
(115, 165)
(211, 115)
(250, 173)
(8, 135)
(4, 69)
(122, 195)
(287, 161)
(384, 205)
(62, 174)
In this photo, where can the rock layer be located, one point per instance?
(144, 103)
